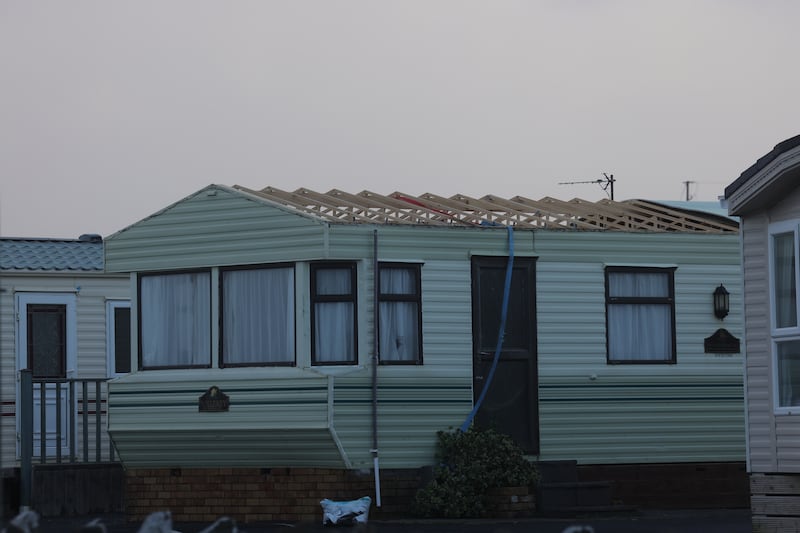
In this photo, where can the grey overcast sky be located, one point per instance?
(112, 110)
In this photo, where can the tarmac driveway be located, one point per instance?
(689, 521)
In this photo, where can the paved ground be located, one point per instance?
(711, 521)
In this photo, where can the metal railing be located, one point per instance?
(79, 431)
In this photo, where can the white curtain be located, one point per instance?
(258, 321)
(334, 321)
(639, 332)
(785, 281)
(788, 373)
(399, 329)
(176, 319)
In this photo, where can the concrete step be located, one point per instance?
(573, 494)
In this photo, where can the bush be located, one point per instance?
(469, 464)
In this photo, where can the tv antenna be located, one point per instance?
(686, 184)
(606, 183)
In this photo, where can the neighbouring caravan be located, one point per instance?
(67, 323)
(314, 343)
(766, 197)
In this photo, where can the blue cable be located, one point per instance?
(501, 334)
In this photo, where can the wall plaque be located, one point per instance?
(722, 342)
(214, 401)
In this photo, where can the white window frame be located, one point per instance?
(785, 334)
(111, 355)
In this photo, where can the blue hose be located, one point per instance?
(501, 333)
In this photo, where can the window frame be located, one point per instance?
(315, 299)
(779, 335)
(391, 297)
(777, 228)
(111, 337)
(221, 307)
(60, 309)
(139, 278)
(633, 300)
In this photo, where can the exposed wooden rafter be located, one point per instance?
(367, 207)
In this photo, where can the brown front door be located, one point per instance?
(510, 405)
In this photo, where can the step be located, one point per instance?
(553, 471)
(577, 510)
(573, 494)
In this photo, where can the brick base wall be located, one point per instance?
(675, 485)
(262, 494)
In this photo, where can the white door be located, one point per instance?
(47, 345)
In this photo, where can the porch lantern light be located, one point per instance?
(722, 302)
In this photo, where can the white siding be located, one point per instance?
(92, 290)
(774, 443)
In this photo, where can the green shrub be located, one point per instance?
(469, 464)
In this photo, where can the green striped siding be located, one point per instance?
(600, 413)
(227, 228)
(410, 412)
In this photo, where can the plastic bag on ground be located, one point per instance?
(345, 513)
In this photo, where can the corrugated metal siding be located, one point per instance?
(600, 413)
(94, 291)
(214, 227)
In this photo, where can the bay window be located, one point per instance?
(258, 326)
(175, 320)
(399, 313)
(333, 313)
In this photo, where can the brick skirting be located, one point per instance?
(262, 494)
(674, 485)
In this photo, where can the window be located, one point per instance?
(333, 313)
(258, 317)
(399, 312)
(787, 355)
(640, 315)
(784, 279)
(783, 268)
(118, 337)
(47, 340)
(175, 320)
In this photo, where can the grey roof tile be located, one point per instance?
(17, 254)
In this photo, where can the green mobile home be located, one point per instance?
(313, 344)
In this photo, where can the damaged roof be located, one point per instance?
(461, 210)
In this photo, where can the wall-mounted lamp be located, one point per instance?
(722, 302)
